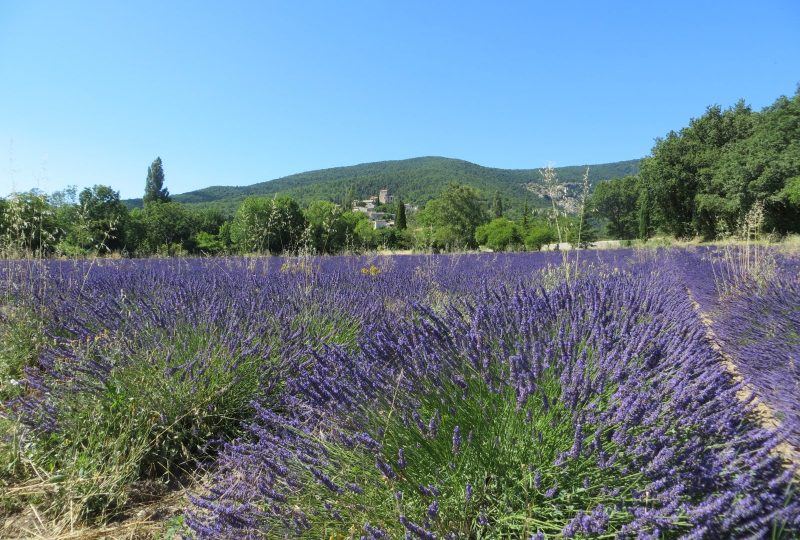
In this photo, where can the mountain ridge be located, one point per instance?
(416, 180)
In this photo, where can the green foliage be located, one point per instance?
(28, 226)
(454, 217)
(617, 201)
(162, 226)
(400, 221)
(539, 234)
(21, 338)
(581, 234)
(645, 225)
(209, 243)
(208, 220)
(499, 234)
(706, 178)
(329, 230)
(97, 223)
(154, 190)
(791, 192)
(497, 205)
(267, 225)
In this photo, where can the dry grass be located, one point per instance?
(146, 519)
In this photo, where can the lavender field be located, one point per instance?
(617, 395)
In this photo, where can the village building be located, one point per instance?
(380, 220)
(384, 197)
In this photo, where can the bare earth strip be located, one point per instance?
(763, 413)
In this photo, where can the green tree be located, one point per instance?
(539, 234)
(209, 219)
(525, 215)
(499, 234)
(212, 231)
(400, 217)
(757, 168)
(30, 227)
(154, 190)
(266, 224)
(617, 201)
(364, 233)
(328, 228)
(581, 234)
(788, 200)
(791, 192)
(161, 226)
(212, 244)
(105, 217)
(454, 216)
(497, 205)
(683, 164)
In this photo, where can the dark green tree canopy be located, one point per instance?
(455, 215)
(539, 233)
(617, 201)
(154, 190)
(165, 225)
(267, 224)
(705, 178)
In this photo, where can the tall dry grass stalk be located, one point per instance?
(550, 180)
(747, 262)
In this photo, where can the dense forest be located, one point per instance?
(705, 179)
(727, 167)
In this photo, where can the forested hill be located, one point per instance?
(416, 180)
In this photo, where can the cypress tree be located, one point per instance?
(400, 221)
(525, 213)
(154, 189)
(497, 205)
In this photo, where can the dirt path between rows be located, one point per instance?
(763, 413)
(138, 521)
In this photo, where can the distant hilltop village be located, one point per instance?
(380, 220)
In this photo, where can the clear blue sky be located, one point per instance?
(92, 92)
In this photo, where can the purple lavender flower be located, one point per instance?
(433, 509)
(420, 532)
(385, 468)
(456, 440)
(482, 519)
(433, 424)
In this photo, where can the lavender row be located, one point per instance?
(595, 408)
(756, 318)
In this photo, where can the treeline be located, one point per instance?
(707, 178)
(95, 221)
